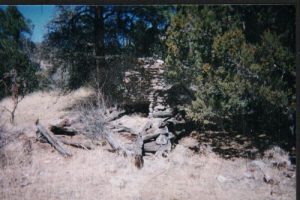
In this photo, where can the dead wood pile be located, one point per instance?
(155, 137)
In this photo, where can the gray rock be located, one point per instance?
(162, 124)
(162, 131)
(151, 146)
(249, 175)
(161, 140)
(162, 114)
(160, 108)
(160, 62)
(171, 135)
(160, 101)
(161, 71)
(269, 179)
(158, 88)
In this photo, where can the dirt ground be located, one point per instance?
(34, 170)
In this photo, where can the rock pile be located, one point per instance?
(157, 137)
(158, 107)
(145, 84)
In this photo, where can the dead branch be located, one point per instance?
(139, 161)
(120, 128)
(52, 140)
(116, 145)
(150, 136)
(115, 115)
(136, 150)
(76, 144)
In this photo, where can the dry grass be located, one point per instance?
(45, 106)
(33, 170)
(98, 174)
(92, 114)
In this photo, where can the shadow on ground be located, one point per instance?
(231, 145)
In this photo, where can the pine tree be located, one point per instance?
(15, 50)
(80, 37)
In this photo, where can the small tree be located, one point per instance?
(17, 70)
(16, 52)
(16, 90)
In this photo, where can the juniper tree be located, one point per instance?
(236, 75)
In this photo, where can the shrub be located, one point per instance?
(93, 116)
(248, 86)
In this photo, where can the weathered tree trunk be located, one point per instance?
(115, 115)
(136, 150)
(116, 145)
(52, 140)
(148, 137)
(99, 41)
(77, 144)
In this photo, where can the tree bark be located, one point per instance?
(99, 40)
(52, 140)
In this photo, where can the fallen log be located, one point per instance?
(76, 144)
(148, 137)
(151, 147)
(115, 115)
(120, 128)
(147, 126)
(139, 161)
(78, 141)
(41, 131)
(135, 150)
(116, 145)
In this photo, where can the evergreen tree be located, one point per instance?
(80, 37)
(237, 75)
(15, 48)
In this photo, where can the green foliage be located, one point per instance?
(78, 41)
(235, 77)
(15, 48)
(67, 46)
(224, 87)
(190, 38)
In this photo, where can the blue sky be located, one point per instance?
(39, 15)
